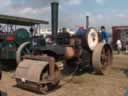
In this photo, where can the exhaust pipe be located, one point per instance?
(87, 22)
(54, 18)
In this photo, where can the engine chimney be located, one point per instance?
(87, 22)
(54, 18)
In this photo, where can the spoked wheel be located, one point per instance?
(21, 51)
(44, 88)
(102, 58)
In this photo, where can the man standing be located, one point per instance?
(31, 31)
(119, 46)
(104, 36)
(126, 45)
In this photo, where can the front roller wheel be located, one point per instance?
(102, 58)
(45, 77)
(21, 51)
(34, 75)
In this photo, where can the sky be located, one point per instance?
(72, 13)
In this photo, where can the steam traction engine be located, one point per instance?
(41, 70)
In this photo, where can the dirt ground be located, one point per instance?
(114, 83)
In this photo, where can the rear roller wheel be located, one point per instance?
(38, 80)
(102, 58)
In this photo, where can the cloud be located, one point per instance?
(100, 2)
(121, 15)
(30, 12)
(88, 14)
(74, 2)
(40, 9)
(27, 8)
(40, 3)
(34, 11)
(5, 3)
(99, 16)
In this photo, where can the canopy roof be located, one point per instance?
(5, 19)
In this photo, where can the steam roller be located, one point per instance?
(40, 71)
(41, 68)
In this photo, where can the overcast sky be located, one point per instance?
(72, 13)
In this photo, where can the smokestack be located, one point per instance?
(54, 18)
(87, 22)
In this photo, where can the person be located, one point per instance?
(1, 28)
(104, 36)
(126, 45)
(81, 34)
(48, 39)
(119, 46)
(31, 31)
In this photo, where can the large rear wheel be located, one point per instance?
(102, 58)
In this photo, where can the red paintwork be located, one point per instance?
(10, 38)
